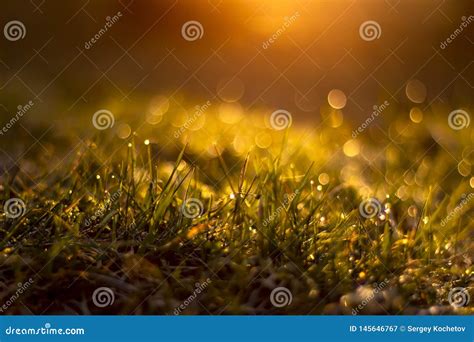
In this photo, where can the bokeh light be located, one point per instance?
(337, 99)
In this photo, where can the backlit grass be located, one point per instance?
(275, 208)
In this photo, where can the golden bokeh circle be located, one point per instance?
(337, 99)
(416, 91)
(230, 90)
(416, 115)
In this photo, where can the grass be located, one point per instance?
(244, 209)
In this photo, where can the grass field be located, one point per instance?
(218, 212)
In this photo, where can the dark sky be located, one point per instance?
(318, 47)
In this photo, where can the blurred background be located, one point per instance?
(144, 54)
(249, 56)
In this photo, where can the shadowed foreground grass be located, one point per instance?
(213, 226)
